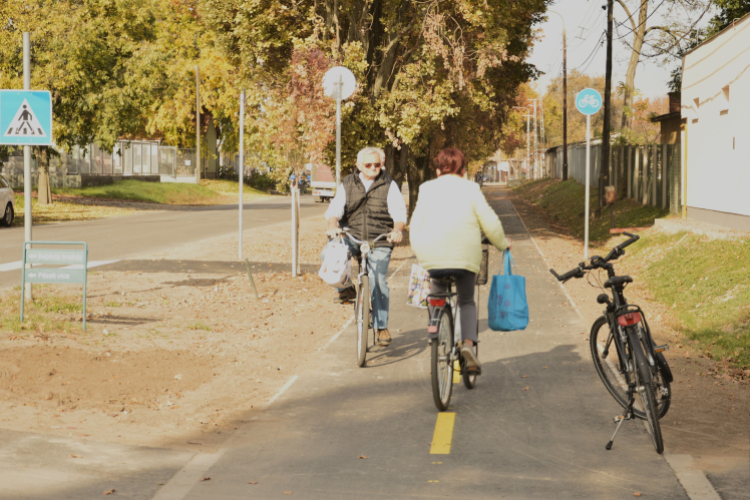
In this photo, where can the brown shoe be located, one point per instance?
(384, 338)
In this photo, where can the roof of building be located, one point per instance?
(734, 25)
(668, 116)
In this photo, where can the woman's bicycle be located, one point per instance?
(444, 338)
(639, 367)
(363, 302)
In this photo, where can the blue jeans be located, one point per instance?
(377, 269)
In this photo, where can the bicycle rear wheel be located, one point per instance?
(645, 391)
(602, 344)
(441, 366)
(470, 380)
(363, 319)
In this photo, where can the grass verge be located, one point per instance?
(703, 283)
(564, 205)
(709, 297)
(112, 200)
(51, 312)
(169, 193)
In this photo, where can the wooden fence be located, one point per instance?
(649, 174)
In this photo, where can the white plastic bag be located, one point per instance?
(419, 287)
(336, 269)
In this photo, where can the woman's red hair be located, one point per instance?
(450, 161)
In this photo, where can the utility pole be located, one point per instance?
(604, 173)
(536, 149)
(565, 99)
(197, 125)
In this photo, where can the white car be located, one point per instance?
(7, 203)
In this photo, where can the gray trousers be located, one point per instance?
(465, 281)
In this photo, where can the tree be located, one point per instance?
(728, 11)
(668, 40)
(431, 74)
(553, 99)
(82, 52)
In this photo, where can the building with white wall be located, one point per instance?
(716, 128)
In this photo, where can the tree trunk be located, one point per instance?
(394, 165)
(635, 57)
(44, 191)
(418, 171)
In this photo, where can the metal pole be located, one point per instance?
(27, 158)
(564, 99)
(241, 170)
(588, 186)
(528, 132)
(197, 125)
(294, 234)
(536, 144)
(338, 132)
(604, 179)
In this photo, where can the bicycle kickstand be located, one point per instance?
(627, 415)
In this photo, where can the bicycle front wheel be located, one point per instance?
(441, 366)
(363, 319)
(603, 348)
(645, 389)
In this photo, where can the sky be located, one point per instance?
(585, 23)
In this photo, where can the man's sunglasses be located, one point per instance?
(373, 165)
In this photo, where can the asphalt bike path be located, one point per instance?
(535, 426)
(126, 237)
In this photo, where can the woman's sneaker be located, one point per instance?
(472, 362)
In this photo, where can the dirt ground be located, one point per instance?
(177, 348)
(710, 414)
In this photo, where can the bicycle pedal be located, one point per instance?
(661, 348)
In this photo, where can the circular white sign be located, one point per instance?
(339, 82)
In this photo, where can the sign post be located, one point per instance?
(242, 162)
(339, 83)
(26, 120)
(588, 102)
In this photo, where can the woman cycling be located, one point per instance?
(445, 232)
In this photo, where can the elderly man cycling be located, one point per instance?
(369, 203)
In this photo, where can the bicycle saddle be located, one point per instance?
(617, 281)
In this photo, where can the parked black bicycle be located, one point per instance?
(640, 367)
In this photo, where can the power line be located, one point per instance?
(592, 55)
(644, 21)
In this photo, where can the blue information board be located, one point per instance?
(25, 117)
(588, 101)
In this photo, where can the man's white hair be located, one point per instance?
(369, 150)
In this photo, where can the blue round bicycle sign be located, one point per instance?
(588, 101)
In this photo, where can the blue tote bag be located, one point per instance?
(507, 308)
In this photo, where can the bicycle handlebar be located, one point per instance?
(596, 261)
(358, 242)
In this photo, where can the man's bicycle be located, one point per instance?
(444, 338)
(639, 367)
(363, 302)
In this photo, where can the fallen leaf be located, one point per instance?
(524, 376)
(637, 494)
(74, 456)
(252, 482)
(544, 367)
(526, 388)
(109, 492)
(362, 456)
(206, 479)
(287, 492)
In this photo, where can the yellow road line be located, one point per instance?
(441, 440)
(456, 370)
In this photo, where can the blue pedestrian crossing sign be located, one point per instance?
(25, 118)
